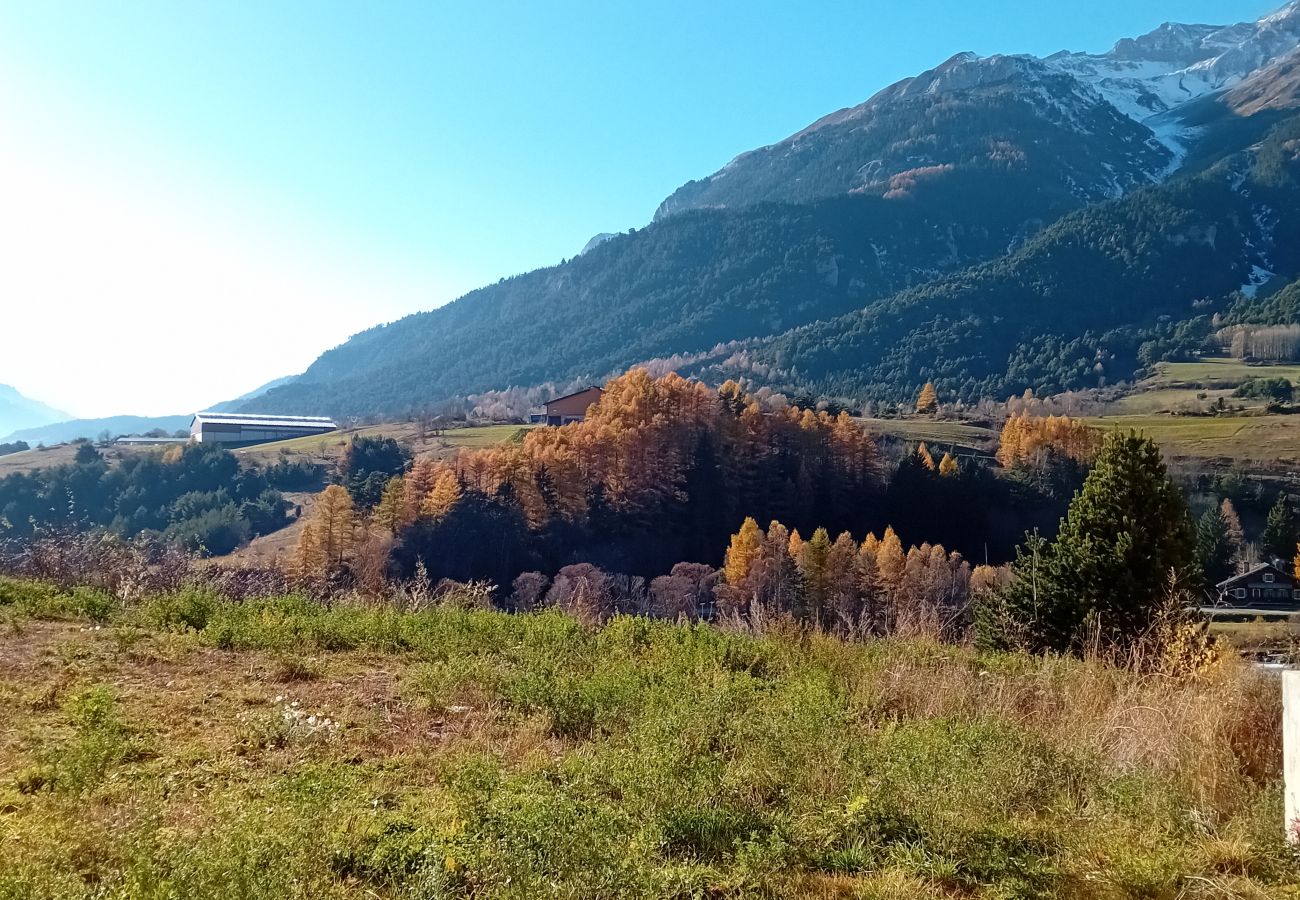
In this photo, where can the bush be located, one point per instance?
(1278, 389)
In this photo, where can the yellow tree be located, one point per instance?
(389, 512)
(1011, 441)
(444, 496)
(795, 545)
(745, 546)
(947, 465)
(891, 561)
(924, 453)
(308, 558)
(419, 481)
(927, 402)
(814, 556)
(328, 538)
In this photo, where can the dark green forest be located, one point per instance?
(1073, 307)
(197, 496)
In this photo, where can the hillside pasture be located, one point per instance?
(938, 434)
(326, 448)
(1217, 372)
(1257, 442)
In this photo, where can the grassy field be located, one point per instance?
(1257, 442)
(1221, 373)
(1173, 400)
(328, 447)
(938, 434)
(191, 747)
(31, 460)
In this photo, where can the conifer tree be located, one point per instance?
(1214, 551)
(443, 498)
(890, 561)
(1110, 567)
(844, 582)
(1236, 535)
(923, 453)
(308, 559)
(927, 403)
(781, 585)
(813, 560)
(389, 512)
(745, 547)
(1280, 530)
(947, 465)
(326, 541)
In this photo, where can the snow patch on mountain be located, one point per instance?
(1148, 78)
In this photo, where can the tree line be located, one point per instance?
(196, 495)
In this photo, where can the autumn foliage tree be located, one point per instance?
(1026, 438)
(872, 587)
(660, 471)
(927, 402)
(327, 540)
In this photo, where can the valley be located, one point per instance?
(909, 508)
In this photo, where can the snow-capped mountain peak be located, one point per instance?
(1150, 75)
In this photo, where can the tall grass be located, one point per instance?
(645, 759)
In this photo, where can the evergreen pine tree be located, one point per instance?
(1214, 550)
(1280, 531)
(1109, 568)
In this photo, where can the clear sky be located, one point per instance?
(197, 197)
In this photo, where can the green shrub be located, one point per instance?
(40, 600)
(100, 741)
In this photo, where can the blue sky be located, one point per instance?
(303, 170)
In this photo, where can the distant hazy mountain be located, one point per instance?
(114, 426)
(232, 405)
(17, 411)
(61, 428)
(1065, 212)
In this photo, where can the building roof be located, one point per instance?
(271, 421)
(1251, 572)
(576, 393)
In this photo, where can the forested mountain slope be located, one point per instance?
(1070, 309)
(904, 239)
(679, 286)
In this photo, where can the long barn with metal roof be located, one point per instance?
(229, 428)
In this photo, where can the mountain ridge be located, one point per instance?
(964, 165)
(18, 411)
